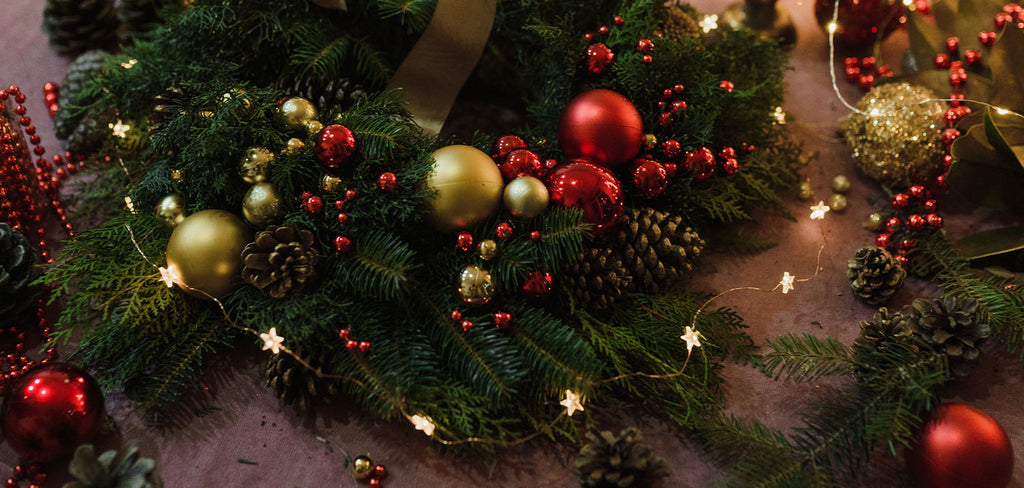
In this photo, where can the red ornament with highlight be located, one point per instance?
(506, 144)
(961, 447)
(591, 188)
(601, 127)
(650, 177)
(599, 58)
(860, 22)
(522, 162)
(387, 181)
(334, 145)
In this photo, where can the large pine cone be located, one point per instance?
(16, 275)
(609, 461)
(84, 68)
(952, 326)
(679, 23)
(886, 326)
(333, 96)
(294, 383)
(281, 261)
(90, 133)
(597, 278)
(112, 469)
(875, 275)
(140, 16)
(656, 248)
(75, 26)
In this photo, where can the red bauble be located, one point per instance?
(334, 144)
(464, 241)
(387, 181)
(701, 161)
(502, 319)
(522, 162)
(650, 177)
(591, 188)
(506, 144)
(342, 244)
(537, 284)
(860, 22)
(599, 58)
(961, 447)
(601, 127)
(51, 410)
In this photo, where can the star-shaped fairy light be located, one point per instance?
(119, 128)
(170, 276)
(692, 338)
(779, 115)
(787, 282)
(424, 424)
(572, 402)
(709, 23)
(129, 64)
(272, 341)
(818, 211)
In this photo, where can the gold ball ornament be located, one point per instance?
(205, 250)
(178, 175)
(172, 209)
(361, 467)
(330, 183)
(874, 222)
(475, 285)
(488, 249)
(894, 137)
(837, 202)
(261, 205)
(294, 146)
(805, 192)
(840, 183)
(294, 112)
(253, 167)
(468, 187)
(526, 197)
(313, 127)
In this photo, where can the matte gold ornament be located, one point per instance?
(261, 205)
(172, 209)
(837, 202)
(468, 187)
(805, 192)
(253, 167)
(840, 183)
(205, 250)
(526, 197)
(294, 146)
(874, 222)
(475, 285)
(488, 249)
(330, 183)
(295, 112)
(361, 467)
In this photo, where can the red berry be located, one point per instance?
(647, 59)
(374, 483)
(930, 205)
(678, 106)
(900, 200)
(952, 44)
(342, 244)
(916, 223)
(934, 220)
(940, 181)
(678, 88)
(941, 61)
(645, 45)
(957, 79)
(364, 346)
(852, 73)
(882, 240)
(850, 61)
(342, 218)
(903, 260)
(343, 334)
(949, 135)
(884, 71)
(464, 241)
(339, 204)
(865, 82)
(726, 85)
(955, 97)
(731, 166)
(667, 93)
(868, 63)
(972, 56)
(456, 315)
(351, 345)
(917, 191)
(504, 230)
(313, 204)
(387, 181)
(1002, 18)
(535, 236)
(893, 223)
(602, 30)
(466, 325)
(987, 38)
(907, 244)
(599, 58)
(618, 20)
(350, 194)
(502, 319)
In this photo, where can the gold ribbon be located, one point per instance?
(439, 64)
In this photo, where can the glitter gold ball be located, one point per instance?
(837, 202)
(895, 140)
(840, 183)
(805, 192)
(874, 222)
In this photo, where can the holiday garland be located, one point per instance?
(473, 331)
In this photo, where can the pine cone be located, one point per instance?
(113, 469)
(90, 133)
(281, 261)
(597, 278)
(16, 275)
(84, 68)
(75, 26)
(333, 96)
(885, 326)
(875, 275)
(952, 326)
(618, 461)
(293, 382)
(679, 24)
(140, 16)
(655, 248)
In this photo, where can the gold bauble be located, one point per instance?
(837, 202)
(526, 197)
(805, 192)
(177, 175)
(874, 222)
(172, 209)
(294, 146)
(330, 183)
(361, 467)
(468, 187)
(488, 249)
(650, 140)
(894, 136)
(295, 112)
(253, 167)
(313, 127)
(475, 285)
(205, 250)
(261, 205)
(840, 183)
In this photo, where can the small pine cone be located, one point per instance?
(112, 469)
(596, 279)
(139, 16)
(655, 248)
(952, 326)
(86, 67)
(90, 133)
(17, 260)
(875, 275)
(609, 461)
(76, 26)
(281, 261)
(885, 326)
(294, 383)
(333, 96)
(679, 24)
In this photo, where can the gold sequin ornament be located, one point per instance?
(894, 137)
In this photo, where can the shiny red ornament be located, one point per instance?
(464, 241)
(334, 145)
(645, 45)
(591, 188)
(701, 161)
(916, 223)
(506, 144)
(671, 148)
(50, 411)
(934, 220)
(466, 325)
(504, 230)
(601, 127)
(860, 22)
(962, 447)
(312, 204)
(535, 236)
(537, 284)
(727, 85)
(502, 319)
(387, 181)
(522, 162)
(342, 244)
(379, 472)
(650, 177)
(599, 57)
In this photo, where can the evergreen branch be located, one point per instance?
(805, 358)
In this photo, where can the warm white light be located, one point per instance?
(120, 129)
(832, 27)
(709, 23)
(572, 402)
(424, 424)
(272, 341)
(128, 203)
(818, 211)
(692, 338)
(779, 115)
(787, 282)
(1002, 111)
(170, 276)
(129, 64)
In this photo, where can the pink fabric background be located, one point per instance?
(249, 422)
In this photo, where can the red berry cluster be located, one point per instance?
(502, 320)
(34, 474)
(51, 93)
(352, 344)
(379, 473)
(864, 71)
(914, 214)
(1011, 13)
(313, 205)
(517, 160)
(600, 56)
(671, 104)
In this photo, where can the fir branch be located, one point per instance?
(379, 267)
(805, 358)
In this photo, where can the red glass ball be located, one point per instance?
(650, 177)
(506, 144)
(963, 447)
(860, 22)
(51, 410)
(591, 188)
(601, 127)
(464, 241)
(379, 472)
(387, 181)
(599, 58)
(334, 145)
(522, 162)
(342, 244)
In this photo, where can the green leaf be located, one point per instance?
(991, 242)
(925, 37)
(981, 175)
(1007, 67)
(1007, 137)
